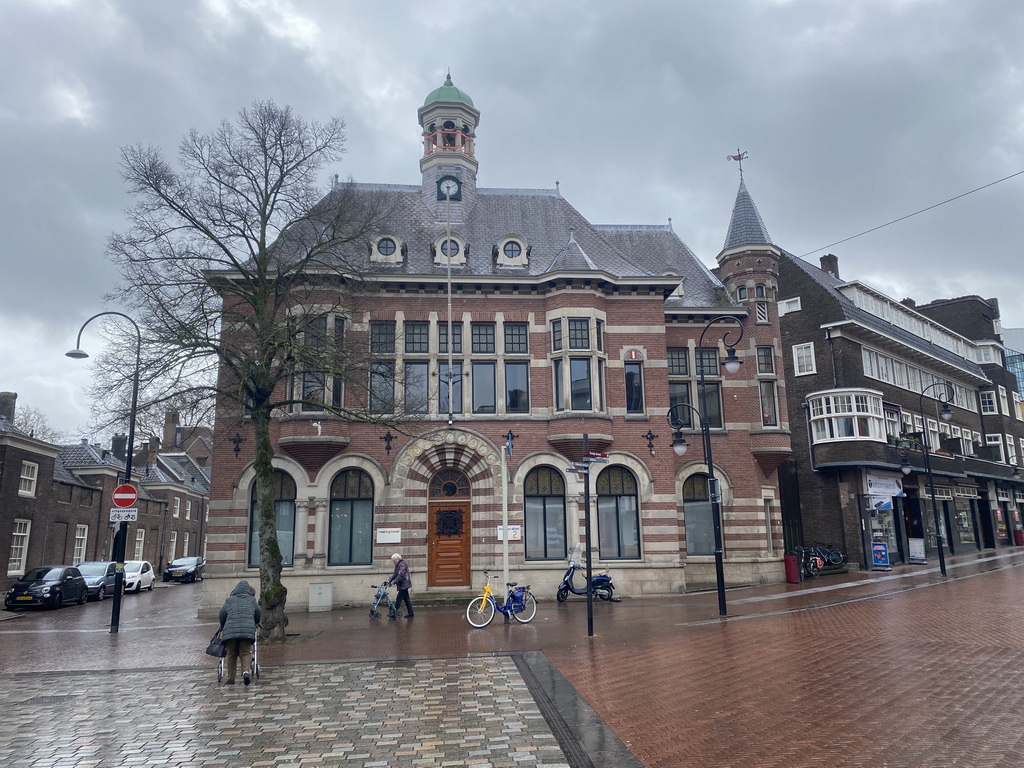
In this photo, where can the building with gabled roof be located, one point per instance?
(567, 335)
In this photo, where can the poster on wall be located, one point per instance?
(916, 550)
(884, 485)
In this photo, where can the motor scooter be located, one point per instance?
(601, 583)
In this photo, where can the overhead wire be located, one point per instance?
(910, 215)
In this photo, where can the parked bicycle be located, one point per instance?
(520, 604)
(816, 557)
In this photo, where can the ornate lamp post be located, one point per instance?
(902, 449)
(120, 539)
(679, 445)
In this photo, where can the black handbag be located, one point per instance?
(216, 646)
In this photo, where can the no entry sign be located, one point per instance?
(125, 496)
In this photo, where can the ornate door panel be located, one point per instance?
(448, 544)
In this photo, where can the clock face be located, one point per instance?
(449, 187)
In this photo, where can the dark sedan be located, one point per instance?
(185, 569)
(51, 585)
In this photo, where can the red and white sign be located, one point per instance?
(125, 496)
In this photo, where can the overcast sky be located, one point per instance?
(853, 113)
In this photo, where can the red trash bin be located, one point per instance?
(1018, 537)
(793, 569)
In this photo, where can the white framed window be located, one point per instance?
(184, 544)
(81, 535)
(173, 546)
(140, 543)
(1011, 450)
(988, 401)
(176, 507)
(29, 478)
(1004, 404)
(1016, 407)
(846, 415)
(933, 434)
(996, 442)
(803, 359)
(19, 547)
(188, 509)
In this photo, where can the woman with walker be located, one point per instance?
(400, 578)
(238, 620)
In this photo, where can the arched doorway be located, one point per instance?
(449, 532)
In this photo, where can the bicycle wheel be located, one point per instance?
(526, 615)
(480, 611)
(836, 556)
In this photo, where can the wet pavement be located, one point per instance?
(867, 669)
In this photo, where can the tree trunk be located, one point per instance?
(273, 594)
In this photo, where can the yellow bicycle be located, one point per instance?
(520, 604)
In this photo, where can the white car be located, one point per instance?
(138, 575)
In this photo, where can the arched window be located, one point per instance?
(698, 516)
(741, 292)
(544, 513)
(350, 532)
(284, 507)
(759, 292)
(618, 515)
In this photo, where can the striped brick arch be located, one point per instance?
(464, 451)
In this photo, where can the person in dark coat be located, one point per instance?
(238, 619)
(400, 578)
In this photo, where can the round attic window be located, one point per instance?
(450, 248)
(512, 249)
(386, 246)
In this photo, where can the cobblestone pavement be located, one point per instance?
(904, 670)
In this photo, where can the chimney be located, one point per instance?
(154, 449)
(908, 302)
(172, 431)
(118, 446)
(7, 401)
(830, 264)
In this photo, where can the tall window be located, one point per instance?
(184, 544)
(679, 385)
(769, 406)
(698, 514)
(556, 372)
(634, 388)
(456, 385)
(350, 537)
(544, 514)
(988, 401)
(580, 384)
(283, 489)
(995, 443)
(803, 359)
(417, 380)
(766, 360)
(81, 537)
(618, 514)
(1004, 404)
(442, 338)
(177, 507)
(556, 335)
(188, 509)
(517, 387)
(483, 388)
(382, 387)
(319, 334)
(29, 477)
(140, 543)
(172, 548)
(579, 333)
(19, 547)
(516, 338)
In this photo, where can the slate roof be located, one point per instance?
(746, 226)
(559, 239)
(7, 426)
(86, 455)
(851, 311)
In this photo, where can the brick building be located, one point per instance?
(562, 331)
(55, 501)
(867, 377)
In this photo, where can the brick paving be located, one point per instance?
(902, 670)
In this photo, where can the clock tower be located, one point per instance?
(449, 120)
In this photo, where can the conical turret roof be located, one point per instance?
(746, 227)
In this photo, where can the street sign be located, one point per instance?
(124, 514)
(596, 455)
(125, 495)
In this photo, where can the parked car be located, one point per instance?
(100, 577)
(185, 569)
(138, 575)
(51, 585)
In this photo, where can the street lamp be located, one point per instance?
(731, 363)
(120, 539)
(901, 449)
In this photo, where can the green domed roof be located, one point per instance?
(447, 92)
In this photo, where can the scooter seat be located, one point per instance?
(511, 584)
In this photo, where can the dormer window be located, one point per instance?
(511, 252)
(387, 250)
(452, 250)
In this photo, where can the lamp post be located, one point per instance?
(903, 448)
(122, 531)
(732, 364)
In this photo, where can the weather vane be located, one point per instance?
(739, 157)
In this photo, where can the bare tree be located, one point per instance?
(231, 262)
(34, 422)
